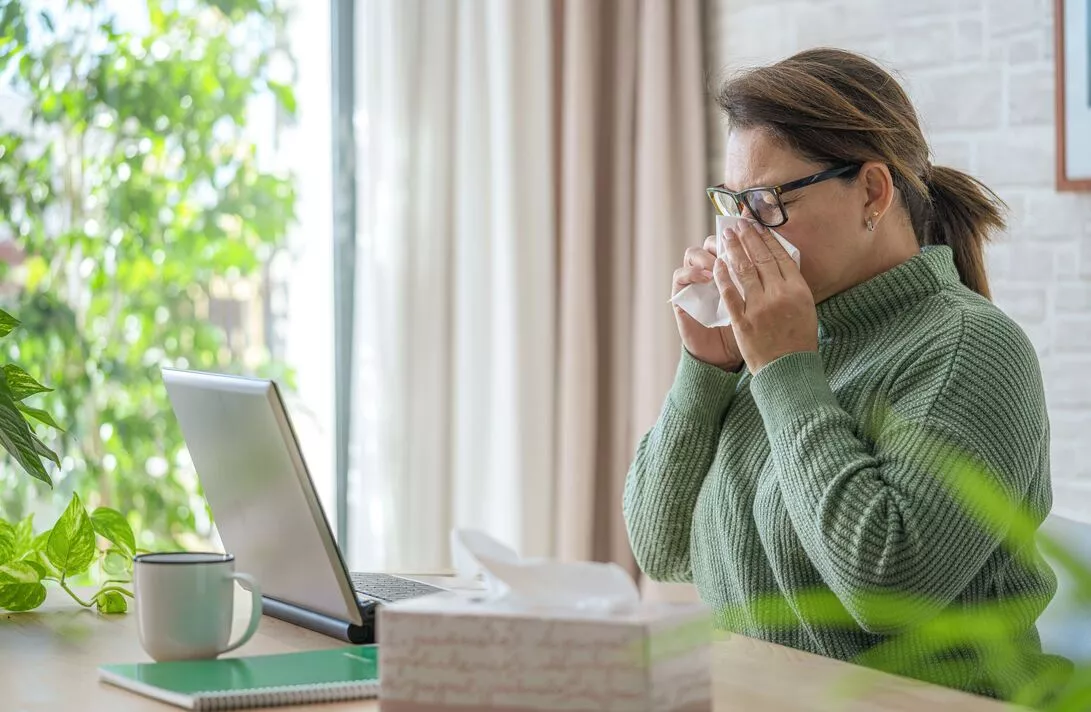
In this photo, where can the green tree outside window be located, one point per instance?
(130, 187)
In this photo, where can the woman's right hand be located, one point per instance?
(715, 346)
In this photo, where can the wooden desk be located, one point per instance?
(49, 660)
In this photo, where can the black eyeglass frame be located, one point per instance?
(741, 201)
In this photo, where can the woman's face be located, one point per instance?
(826, 221)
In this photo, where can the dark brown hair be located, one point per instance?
(835, 107)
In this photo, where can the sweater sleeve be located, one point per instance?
(671, 463)
(881, 508)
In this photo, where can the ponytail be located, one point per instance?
(962, 213)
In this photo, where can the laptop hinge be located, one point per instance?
(321, 623)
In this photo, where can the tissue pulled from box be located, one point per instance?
(703, 301)
(538, 583)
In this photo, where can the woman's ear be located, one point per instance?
(879, 188)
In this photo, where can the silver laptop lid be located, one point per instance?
(261, 495)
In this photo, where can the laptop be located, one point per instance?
(264, 504)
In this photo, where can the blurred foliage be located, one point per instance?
(129, 188)
(981, 647)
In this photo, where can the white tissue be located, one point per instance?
(532, 583)
(703, 301)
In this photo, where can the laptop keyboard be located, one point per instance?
(390, 588)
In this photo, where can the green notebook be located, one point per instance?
(347, 673)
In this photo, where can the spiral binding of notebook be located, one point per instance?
(281, 696)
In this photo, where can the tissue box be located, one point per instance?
(454, 653)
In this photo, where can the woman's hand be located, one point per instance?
(774, 315)
(715, 346)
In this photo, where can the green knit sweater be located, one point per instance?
(825, 472)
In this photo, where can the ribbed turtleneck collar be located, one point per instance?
(867, 305)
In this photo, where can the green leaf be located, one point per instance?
(35, 554)
(7, 323)
(24, 536)
(16, 438)
(43, 451)
(41, 540)
(8, 548)
(71, 546)
(41, 570)
(284, 95)
(21, 586)
(117, 563)
(111, 602)
(40, 415)
(21, 383)
(111, 525)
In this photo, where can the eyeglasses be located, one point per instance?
(764, 203)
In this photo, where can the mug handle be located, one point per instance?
(251, 584)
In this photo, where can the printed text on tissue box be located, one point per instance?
(549, 664)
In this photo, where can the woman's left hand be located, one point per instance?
(774, 315)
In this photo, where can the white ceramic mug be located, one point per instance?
(185, 602)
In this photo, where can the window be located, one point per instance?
(164, 201)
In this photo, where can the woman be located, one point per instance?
(820, 449)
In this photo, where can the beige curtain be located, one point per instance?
(631, 178)
(454, 335)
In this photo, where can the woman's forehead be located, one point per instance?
(753, 157)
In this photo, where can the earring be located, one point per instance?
(871, 221)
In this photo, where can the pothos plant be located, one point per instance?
(71, 546)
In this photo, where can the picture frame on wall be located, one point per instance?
(1072, 57)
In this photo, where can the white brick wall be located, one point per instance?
(981, 75)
